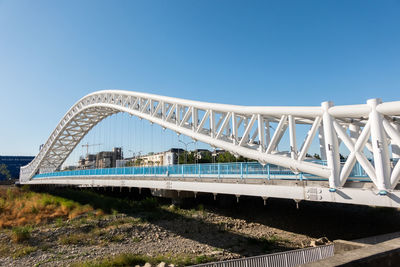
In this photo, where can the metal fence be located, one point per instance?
(282, 259)
(237, 170)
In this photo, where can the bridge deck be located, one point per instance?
(251, 179)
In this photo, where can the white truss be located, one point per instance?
(246, 131)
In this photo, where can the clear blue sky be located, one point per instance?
(238, 52)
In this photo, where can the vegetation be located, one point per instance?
(26, 250)
(4, 171)
(20, 234)
(19, 251)
(191, 157)
(20, 207)
(95, 219)
(135, 259)
(75, 239)
(269, 243)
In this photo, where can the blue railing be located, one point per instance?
(238, 170)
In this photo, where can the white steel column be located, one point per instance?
(267, 133)
(279, 131)
(292, 136)
(396, 145)
(354, 132)
(379, 147)
(212, 123)
(234, 128)
(321, 138)
(331, 147)
(261, 132)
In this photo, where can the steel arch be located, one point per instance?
(245, 130)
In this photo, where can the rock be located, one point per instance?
(147, 265)
(162, 264)
(321, 241)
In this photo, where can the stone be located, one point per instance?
(321, 241)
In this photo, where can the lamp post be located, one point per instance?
(186, 145)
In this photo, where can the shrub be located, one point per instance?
(117, 238)
(148, 204)
(135, 259)
(203, 259)
(200, 207)
(136, 239)
(74, 239)
(24, 251)
(20, 234)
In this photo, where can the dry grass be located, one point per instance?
(138, 259)
(20, 207)
(77, 239)
(21, 233)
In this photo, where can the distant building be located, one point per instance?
(108, 159)
(165, 158)
(14, 164)
(121, 163)
(88, 162)
(104, 159)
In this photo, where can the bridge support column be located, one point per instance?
(321, 138)
(379, 147)
(331, 147)
(396, 145)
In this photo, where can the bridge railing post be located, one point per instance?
(219, 171)
(241, 170)
(269, 171)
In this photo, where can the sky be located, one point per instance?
(269, 53)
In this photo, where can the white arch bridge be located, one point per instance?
(371, 129)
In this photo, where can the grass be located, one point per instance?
(22, 207)
(24, 251)
(136, 239)
(19, 207)
(4, 250)
(126, 220)
(108, 204)
(268, 243)
(135, 259)
(117, 238)
(21, 233)
(17, 252)
(77, 239)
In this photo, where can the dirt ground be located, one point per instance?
(202, 229)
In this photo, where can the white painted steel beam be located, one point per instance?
(311, 192)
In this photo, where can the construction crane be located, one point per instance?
(87, 147)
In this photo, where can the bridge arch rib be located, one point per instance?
(242, 130)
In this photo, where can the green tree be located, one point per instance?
(138, 162)
(225, 157)
(4, 171)
(188, 156)
(316, 156)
